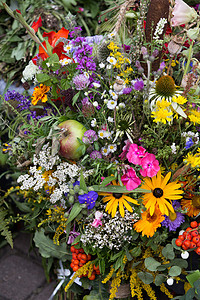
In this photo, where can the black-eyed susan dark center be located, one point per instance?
(158, 192)
(150, 218)
(117, 195)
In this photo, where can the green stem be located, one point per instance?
(189, 59)
(85, 25)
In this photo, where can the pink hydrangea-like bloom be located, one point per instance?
(135, 154)
(182, 13)
(130, 179)
(97, 220)
(150, 165)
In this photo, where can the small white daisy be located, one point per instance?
(122, 105)
(112, 104)
(67, 48)
(102, 134)
(112, 35)
(105, 151)
(112, 148)
(113, 94)
(111, 60)
(65, 61)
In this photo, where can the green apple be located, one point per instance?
(69, 144)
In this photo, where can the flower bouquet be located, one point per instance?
(108, 148)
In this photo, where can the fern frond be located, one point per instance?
(4, 228)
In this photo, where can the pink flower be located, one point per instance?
(97, 220)
(130, 180)
(125, 149)
(150, 165)
(135, 154)
(182, 13)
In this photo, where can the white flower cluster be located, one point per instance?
(114, 232)
(190, 134)
(159, 29)
(44, 159)
(30, 72)
(60, 179)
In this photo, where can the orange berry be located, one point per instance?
(75, 268)
(192, 245)
(97, 268)
(92, 277)
(72, 249)
(188, 229)
(72, 265)
(76, 261)
(178, 242)
(194, 233)
(77, 251)
(184, 247)
(84, 256)
(181, 237)
(81, 250)
(83, 261)
(80, 264)
(187, 243)
(196, 239)
(74, 255)
(79, 256)
(194, 224)
(89, 257)
(198, 250)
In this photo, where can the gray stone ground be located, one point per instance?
(21, 273)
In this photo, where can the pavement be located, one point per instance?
(21, 273)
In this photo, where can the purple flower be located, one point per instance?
(138, 85)
(95, 154)
(89, 199)
(75, 32)
(173, 221)
(127, 90)
(72, 235)
(189, 143)
(89, 137)
(81, 82)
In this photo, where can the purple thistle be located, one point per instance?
(127, 90)
(95, 154)
(89, 137)
(81, 82)
(138, 85)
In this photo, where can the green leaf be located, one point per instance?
(107, 180)
(102, 266)
(116, 189)
(193, 277)
(22, 206)
(146, 277)
(174, 271)
(83, 185)
(151, 264)
(48, 249)
(135, 251)
(42, 77)
(182, 263)
(128, 255)
(65, 85)
(115, 256)
(197, 287)
(168, 252)
(75, 98)
(190, 294)
(159, 279)
(76, 209)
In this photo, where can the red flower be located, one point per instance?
(53, 37)
(37, 24)
(18, 11)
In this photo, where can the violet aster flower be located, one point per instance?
(89, 137)
(174, 220)
(127, 90)
(89, 199)
(81, 82)
(95, 154)
(138, 85)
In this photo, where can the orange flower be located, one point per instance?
(149, 223)
(192, 205)
(40, 94)
(53, 37)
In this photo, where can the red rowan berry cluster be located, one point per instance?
(190, 239)
(79, 258)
